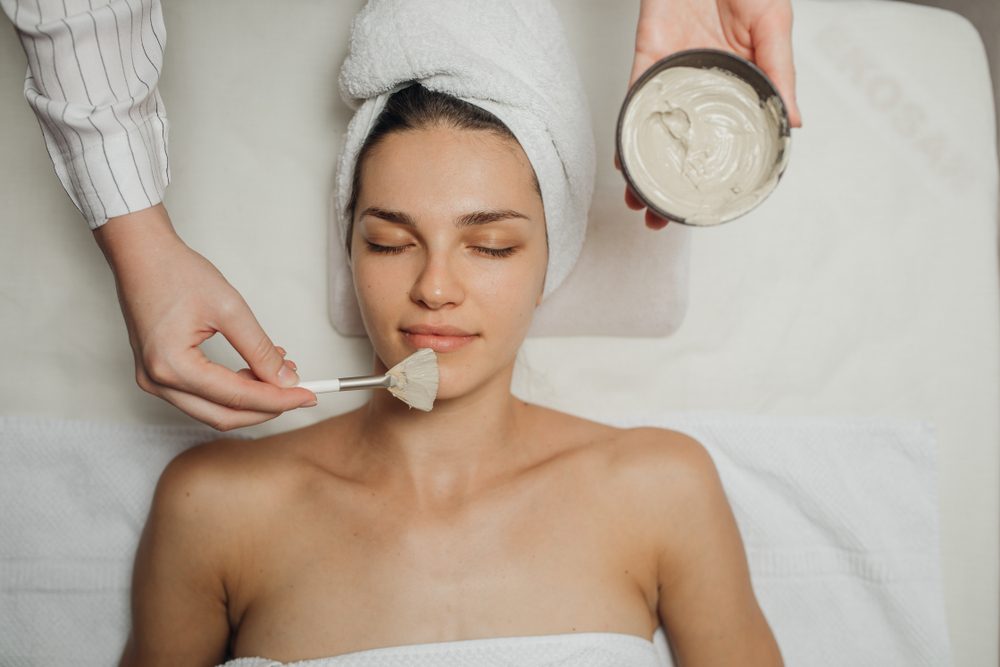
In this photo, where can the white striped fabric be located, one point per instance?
(93, 68)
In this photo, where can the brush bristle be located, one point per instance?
(415, 379)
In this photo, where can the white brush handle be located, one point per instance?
(348, 384)
(321, 386)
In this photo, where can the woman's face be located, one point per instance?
(449, 251)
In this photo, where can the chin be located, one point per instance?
(461, 377)
(454, 378)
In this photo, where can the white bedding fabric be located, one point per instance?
(865, 285)
(838, 515)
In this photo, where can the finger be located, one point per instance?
(632, 199)
(640, 63)
(288, 362)
(654, 221)
(244, 333)
(215, 383)
(772, 44)
(248, 374)
(216, 416)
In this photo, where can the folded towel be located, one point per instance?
(839, 518)
(509, 57)
(75, 496)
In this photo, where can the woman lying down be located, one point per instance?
(488, 531)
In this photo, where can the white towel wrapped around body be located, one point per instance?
(509, 57)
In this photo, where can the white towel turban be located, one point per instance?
(509, 57)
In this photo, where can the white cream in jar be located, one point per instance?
(699, 145)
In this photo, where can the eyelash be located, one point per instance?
(386, 249)
(395, 250)
(497, 252)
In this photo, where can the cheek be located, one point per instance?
(511, 289)
(378, 286)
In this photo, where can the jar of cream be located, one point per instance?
(703, 137)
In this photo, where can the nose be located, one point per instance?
(438, 285)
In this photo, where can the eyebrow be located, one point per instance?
(466, 220)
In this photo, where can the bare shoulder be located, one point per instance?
(661, 451)
(656, 463)
(670, 474)
(184, 560)
(196, 499)
(209, 473)
(230, 478)
(204, 492)
(213, 504)
(705, 597)
(224, 490)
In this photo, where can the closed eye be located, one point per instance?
(396, 249)
(496, 252)
(386, 249)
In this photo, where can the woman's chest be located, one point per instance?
(325, 582)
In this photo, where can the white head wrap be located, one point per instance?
(509, 57)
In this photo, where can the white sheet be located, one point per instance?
(866, 285)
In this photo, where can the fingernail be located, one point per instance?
(287, 377)
(308, 404)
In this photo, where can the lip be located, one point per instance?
(439, 338)
(435, 330)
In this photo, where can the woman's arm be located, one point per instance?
(706, 602)
(179, 614)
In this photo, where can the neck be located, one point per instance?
(440, 457)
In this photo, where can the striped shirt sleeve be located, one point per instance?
(93, 69)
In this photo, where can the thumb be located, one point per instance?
(245, 334)
(772, 47)
(640, 63)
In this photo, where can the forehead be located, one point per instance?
(444, 170)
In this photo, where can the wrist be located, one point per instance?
(136, 236)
